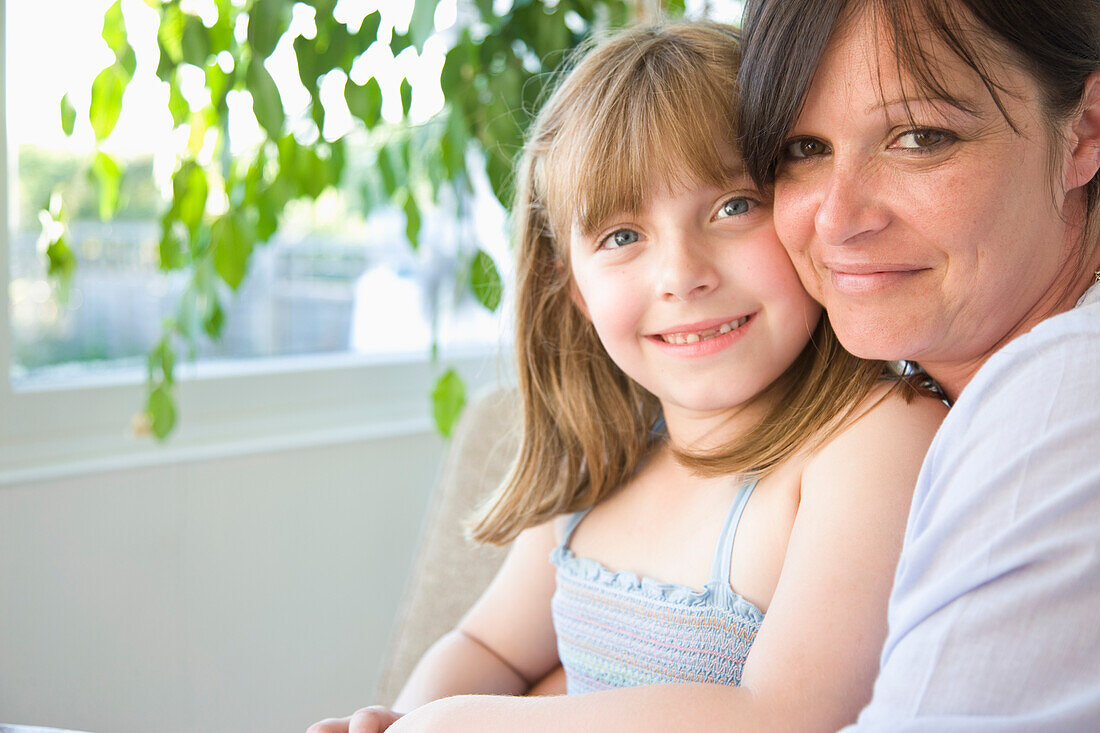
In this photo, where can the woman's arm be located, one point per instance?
(994, 612)
(814, 659)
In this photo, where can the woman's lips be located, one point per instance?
(864, 279)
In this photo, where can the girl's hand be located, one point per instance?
(374, 719)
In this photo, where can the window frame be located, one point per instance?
(224, 407)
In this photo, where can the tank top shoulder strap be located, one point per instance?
(571, 526)
(720, 568)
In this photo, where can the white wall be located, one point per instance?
(253, 593)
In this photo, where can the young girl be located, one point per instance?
(721, 489)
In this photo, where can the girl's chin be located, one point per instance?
(700, 408)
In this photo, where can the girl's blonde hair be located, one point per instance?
(648, 106)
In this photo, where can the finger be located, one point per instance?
(330, 725)
(374, 719)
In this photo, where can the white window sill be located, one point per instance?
(227, 409)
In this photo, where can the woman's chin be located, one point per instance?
(883, 342)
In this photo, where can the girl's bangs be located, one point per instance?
(665, 123)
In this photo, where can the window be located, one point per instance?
(328, 337)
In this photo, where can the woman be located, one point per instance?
(934, 165)
(650, 275)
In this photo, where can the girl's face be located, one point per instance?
(936, 237)
(694, 298)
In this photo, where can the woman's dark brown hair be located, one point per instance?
(1057, 42)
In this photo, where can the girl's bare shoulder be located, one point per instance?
(884, 443)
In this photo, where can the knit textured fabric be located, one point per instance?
(616, 629)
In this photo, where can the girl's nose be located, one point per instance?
(686, 270)
(849, 209)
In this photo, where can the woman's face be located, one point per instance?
(929, 232)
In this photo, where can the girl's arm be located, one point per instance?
(501, 646)
(814, 659)
(506, 642)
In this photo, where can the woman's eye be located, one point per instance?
(735, 207)
(620, 238)
(805, 147)
(921, 139)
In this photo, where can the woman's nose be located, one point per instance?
(849, 209)
(686, 269)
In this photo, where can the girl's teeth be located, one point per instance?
(694, 338)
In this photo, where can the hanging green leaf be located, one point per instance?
(315, 173)
(195, 43)
(198, 124)
(412, 220)
(448, 399)
(422, 23)
(387, 171)
(177, 105)
(368, 29)
(457, 70)
(267, 21)
(114, 29)
(499, 169)
(189, 193)
(406, 97)
(365, 101)
(452, 147)
(309, 66)
(399, 42)
(107, 90)
(161, 411)
(266, 102)
(161, 362)
(62, 261)
(171, 249)
(108, 176)
(214, 319)
(232, 242)
(68, 115)
(218, 83)
(221, 33)
(485, 282)
(170, 37)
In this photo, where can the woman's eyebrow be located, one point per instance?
(959, 103)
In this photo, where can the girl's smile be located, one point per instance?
(700, 339)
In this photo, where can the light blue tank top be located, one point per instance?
(616, 629)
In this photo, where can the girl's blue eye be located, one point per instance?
(804, 147)
(735, 207)
(621, 238)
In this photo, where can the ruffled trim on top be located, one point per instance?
(715, 594)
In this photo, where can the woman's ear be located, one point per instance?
(1085, 136)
